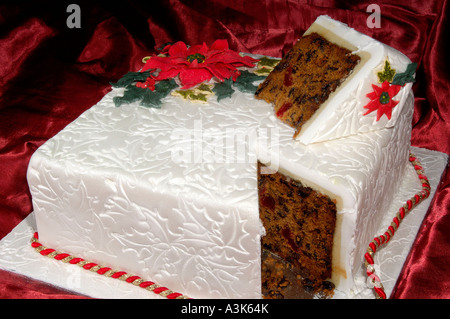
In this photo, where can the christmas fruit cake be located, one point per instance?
(183, 176)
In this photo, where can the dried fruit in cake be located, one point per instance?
(305, 77)
(300, 224)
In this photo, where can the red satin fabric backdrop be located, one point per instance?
(50, 74)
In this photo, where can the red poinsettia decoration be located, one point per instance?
(198, 63)
(381, 99)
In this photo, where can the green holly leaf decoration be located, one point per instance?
(162, 89)
(199, 93)
(244, 82)
(268, 62)
(185, 94)
(147, 97)
(131, 94)
(263, 71)
(387, 74)
(130, 78)
(200, 97)
(266, 65)
(407, 76)
(192, 95)
(223, 89)
(151, 98)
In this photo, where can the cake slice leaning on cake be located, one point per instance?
(191, 195)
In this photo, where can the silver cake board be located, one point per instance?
(17, 255)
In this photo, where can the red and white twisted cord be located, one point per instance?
(105, 271)
(384, 238)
